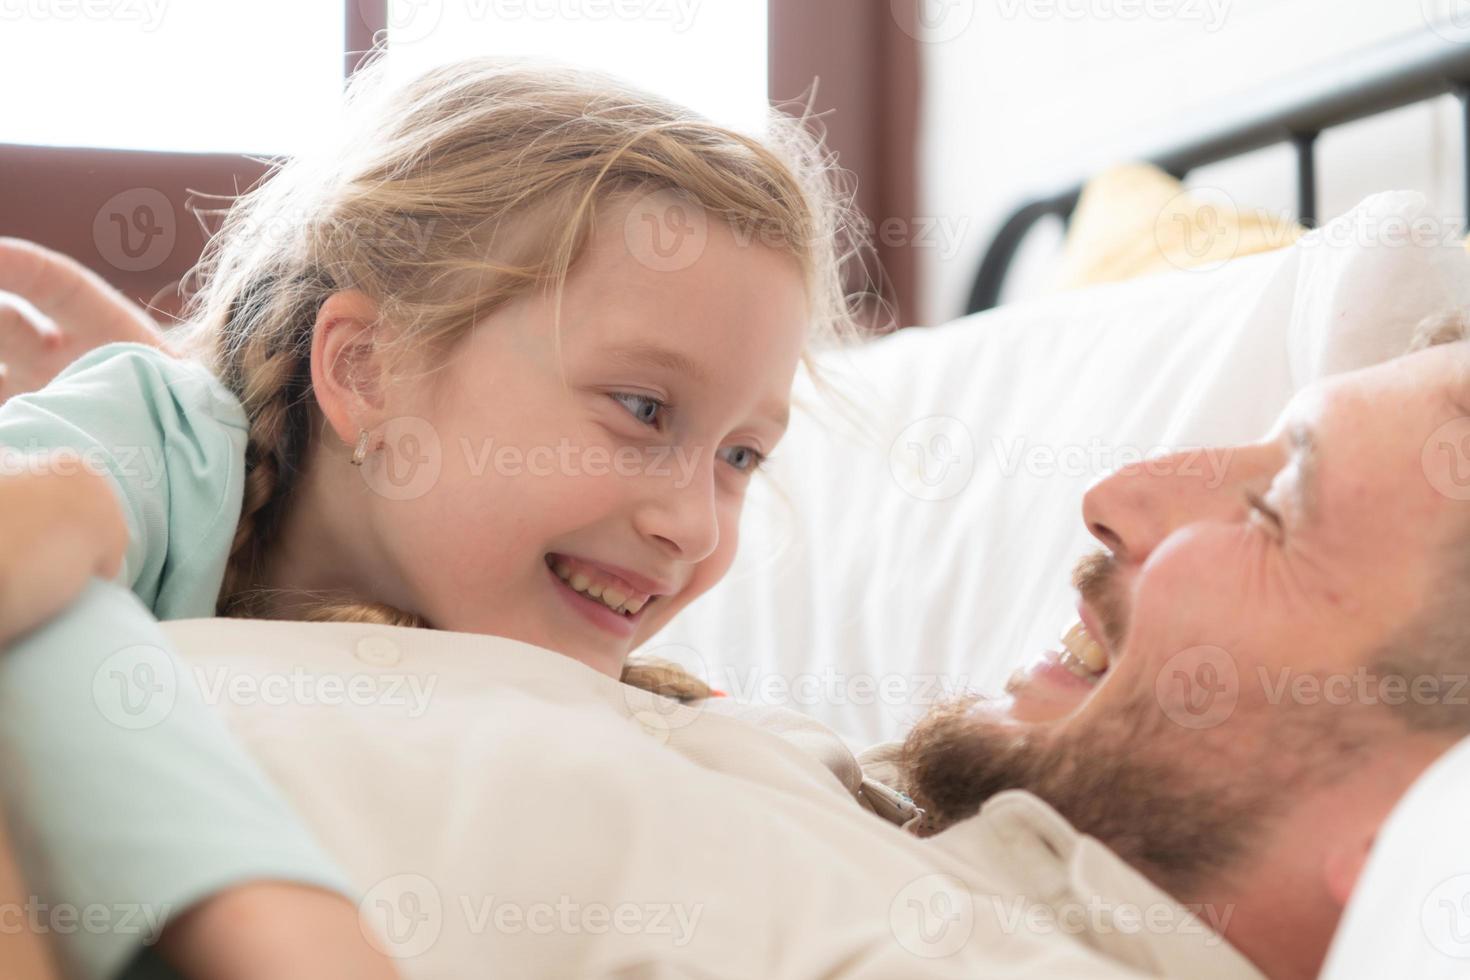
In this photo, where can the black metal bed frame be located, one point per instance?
(1296, 110)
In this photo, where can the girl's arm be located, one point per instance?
(23, 949)
(60, 524)
(125, 791)
(68, 310)
(273, 931)
(133, 801)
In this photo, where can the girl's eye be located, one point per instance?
(1264, 511)
(641, 407)
(744, 459)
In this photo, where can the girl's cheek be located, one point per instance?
(714, 568)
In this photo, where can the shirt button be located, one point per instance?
(378, 651)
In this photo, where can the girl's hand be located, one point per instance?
(60, 524)
(77, 312)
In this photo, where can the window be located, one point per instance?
(259, 76)
(707, 54)
(188, 75)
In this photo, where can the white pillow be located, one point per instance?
(1410, 912)
(929, 547)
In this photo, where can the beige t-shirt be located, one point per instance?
(506, 811)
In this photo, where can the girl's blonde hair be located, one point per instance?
(442, 200)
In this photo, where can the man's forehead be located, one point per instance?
(1457, 369)
(1438, 372)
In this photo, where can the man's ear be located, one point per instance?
(346, 365)
(1345, 863)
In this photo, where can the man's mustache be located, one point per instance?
(1096, 579)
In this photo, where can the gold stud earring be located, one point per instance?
(359, 453)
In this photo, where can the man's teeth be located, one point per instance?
(1081, 654)
(611, 596)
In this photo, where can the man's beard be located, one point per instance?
(1180, 805)
(1162, 812)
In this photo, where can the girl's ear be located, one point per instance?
(347, 374)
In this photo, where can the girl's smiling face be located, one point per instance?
(618, 457)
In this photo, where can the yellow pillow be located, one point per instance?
(1135, 220)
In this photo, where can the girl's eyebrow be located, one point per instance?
(648, 354)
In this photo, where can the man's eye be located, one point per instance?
(641, 407)
(744, 458)
(1265, 512)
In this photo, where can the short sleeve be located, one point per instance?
(172, 439)
(127, 797)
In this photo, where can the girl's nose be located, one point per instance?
(679, 514)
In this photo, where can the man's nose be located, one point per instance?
(1133, 510)
(679, 513)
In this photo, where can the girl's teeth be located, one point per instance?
(610, 597)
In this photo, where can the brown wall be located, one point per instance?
(866, 70)
(124, 214)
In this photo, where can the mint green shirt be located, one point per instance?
(127, 797)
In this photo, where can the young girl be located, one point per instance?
(499, 358)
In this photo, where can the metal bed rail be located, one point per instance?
(1296, 109)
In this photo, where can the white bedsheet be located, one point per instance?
(931, 550)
